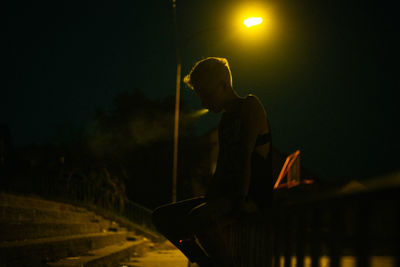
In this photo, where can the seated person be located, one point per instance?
(242, 182)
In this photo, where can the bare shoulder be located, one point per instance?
(253, 104)
(253, 99)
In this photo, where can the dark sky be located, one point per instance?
(327, 75)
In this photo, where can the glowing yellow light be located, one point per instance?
(198, 113)
(307, 261)
(282, 261)
(324, 261)
(293, 261)
(348, 261)
(382, 261)
(252, 21)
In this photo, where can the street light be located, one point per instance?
(252, 21)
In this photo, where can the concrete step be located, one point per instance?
(37, 252)
(107, 256)
(22, 231)
(35, 202)
(29, 214)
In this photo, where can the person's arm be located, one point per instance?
(237, 161)
(251, 116)
(212, 184)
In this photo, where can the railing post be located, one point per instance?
(314, 238)
(335, 233)
(300, 231)
(362, 222)
(287, 239)
(277, 236)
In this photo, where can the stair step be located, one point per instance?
(22, 231)
(23, 214)
(107, 256)
(35, 202)
(38, 251)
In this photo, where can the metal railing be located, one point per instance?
(311, 226)
(106, 197)
(333, 228)
(139, 215)
(335, 225)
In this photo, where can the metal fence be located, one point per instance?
(327, 229)
(333, 227)
(79, 189)
(139, 215)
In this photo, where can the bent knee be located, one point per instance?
(156, 216)
(160, 216)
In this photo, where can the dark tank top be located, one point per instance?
(261, 182)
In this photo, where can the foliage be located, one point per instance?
(137, 134)
(124, 153)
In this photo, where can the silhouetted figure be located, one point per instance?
(242, 182)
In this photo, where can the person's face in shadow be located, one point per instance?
(211, 96)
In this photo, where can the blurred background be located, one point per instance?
(89, 90)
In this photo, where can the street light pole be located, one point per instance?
(177, 104)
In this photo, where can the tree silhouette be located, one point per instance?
(123, 153)
(137, 136)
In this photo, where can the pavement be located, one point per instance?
(162, 254)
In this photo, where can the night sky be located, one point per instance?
(327, 73)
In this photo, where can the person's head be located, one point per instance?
(211, 79)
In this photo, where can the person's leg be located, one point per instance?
(207, 224)
(173, 217)
(174, 222)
